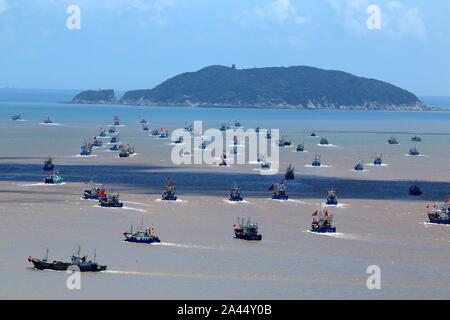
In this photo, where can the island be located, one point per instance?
(298, 87)
(95, 96)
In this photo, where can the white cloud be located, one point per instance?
(154, 11)
(3, 6)
(398, 20)
(279, 11)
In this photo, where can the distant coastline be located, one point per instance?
(298, 88)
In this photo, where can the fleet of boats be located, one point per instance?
(322, 219)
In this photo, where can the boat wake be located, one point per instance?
(51, 124)
(236, 202)
(176, 201)
(327, 145)
(377, 165)
(304, 151)
(287, 201)
(123, 208)
(360, 171)
(322, 166)
(338, 235)
(418, 156)
(41, 184)
(183, 246)
(80, 156)
(429, 224)
(339, 205)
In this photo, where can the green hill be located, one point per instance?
(95, 96)
(276, 87)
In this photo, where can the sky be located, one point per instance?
(137, 44)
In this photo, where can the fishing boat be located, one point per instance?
(235, 194)
(223, 161)
(300, 148)
(416, 138)
(284, 142)
(102, 133)
(179, 140)
(316, 161)
(313, 134)
(94, 192)
(142, 234)
(224, 127)
(111, 201)
(246, 230)
(322, 222)
(415, 190)
(393, 140)
(188, 127)
(53, 178)
(145, 127)
(143, 121)
(114, 139)
(163, 133)
(413, 151)
(324, 142)
(332, 199)
(112, 130)
(77, 262)
(116, 120)
(279, 191)
(237, 124)
(48, 165)
(97, 142)
(16, 117)
(289, 175)
(439, 214)
(169, 192)
(265, 165)
(155, 132)
(126, 151)
(378, 160)
(115, 148)
(48, 120)
(86, 149)
(359, 166)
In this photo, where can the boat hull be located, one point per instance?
(63, 266)
(324, 230)
(169, 198)
(439, 221)
(144, 241)
(248, 237)
(111, 205)
(280, 197)
(89, 196)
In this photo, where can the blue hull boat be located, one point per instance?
(146, 241)
(439, 221)
(324, 230)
